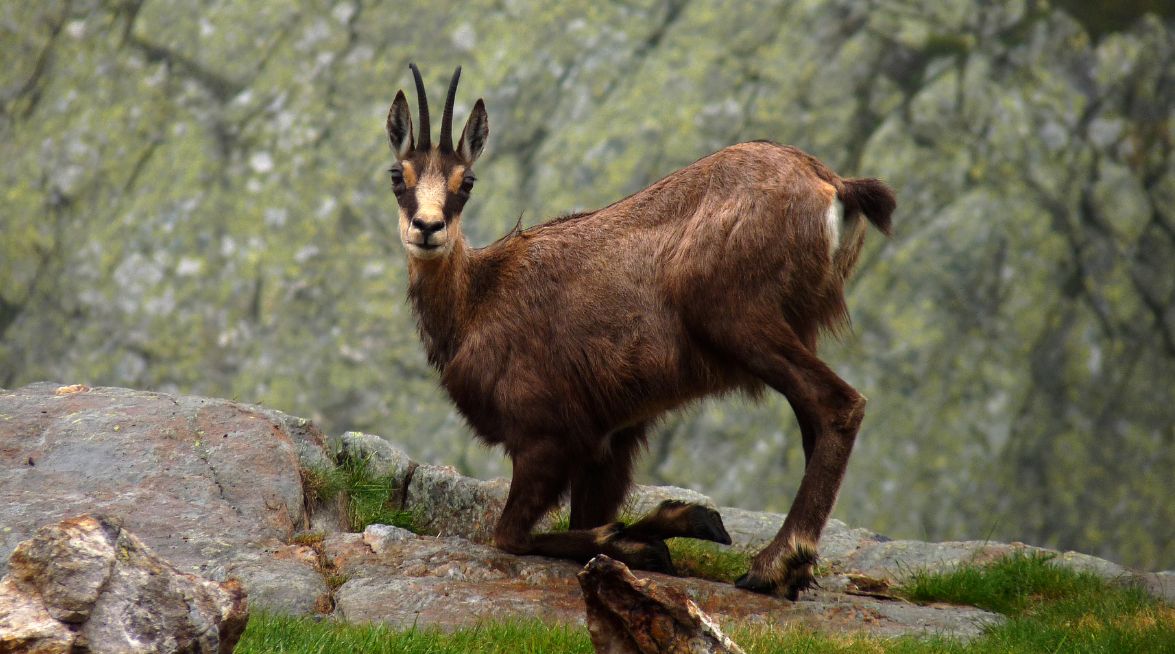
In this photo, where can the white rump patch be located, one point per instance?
(833, 218)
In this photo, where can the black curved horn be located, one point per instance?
(425, 141)
(447, 117)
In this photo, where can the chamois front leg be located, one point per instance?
(540, 477)
(600, 485)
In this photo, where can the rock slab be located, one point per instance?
(87, 584)
(212, 486)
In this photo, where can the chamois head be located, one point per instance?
(433, 182)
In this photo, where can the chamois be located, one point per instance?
(565, 341)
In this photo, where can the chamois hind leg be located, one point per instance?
(829, 411)
(541, 473)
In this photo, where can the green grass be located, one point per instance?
(1008, 585)
(369, 496)
(700, 558)
(1048, 608)
(1051, 608)
(271, 634)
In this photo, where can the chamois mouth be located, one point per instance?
(425, 250)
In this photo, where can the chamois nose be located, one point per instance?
(427, 227)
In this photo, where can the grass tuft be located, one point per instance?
(309, 538)
(1006, 585)
(369, 496)
(1051, 607)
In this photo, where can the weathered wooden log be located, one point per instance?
(626, 615)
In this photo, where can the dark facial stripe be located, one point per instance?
(407, 202)
(454, 203)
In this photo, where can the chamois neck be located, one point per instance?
(439, 291)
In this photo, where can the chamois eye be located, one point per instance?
(467, 183)
(397, 174)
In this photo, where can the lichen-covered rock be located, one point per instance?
(626, 615)
(445, 503)
(86, 584)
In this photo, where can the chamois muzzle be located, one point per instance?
(425, 237)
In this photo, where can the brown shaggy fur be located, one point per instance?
(563, 342)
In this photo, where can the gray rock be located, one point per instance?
(291, 586)
(384, 458)
(216, 487)
(204, 482)
(898, 559)
(1087, 563)
(382, 537)
(1161, 584)
(830, 611)
(448, 583)
(750, 531)
(309, 440)
(643, 499)
(86, 584)
(445, 503)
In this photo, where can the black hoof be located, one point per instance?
(755, 584)
(706, 524)
(800, 583)
(791, 591)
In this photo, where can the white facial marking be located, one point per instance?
(430, 203)
(430, 196)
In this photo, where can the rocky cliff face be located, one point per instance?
(216, 488)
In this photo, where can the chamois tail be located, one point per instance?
(871, 197)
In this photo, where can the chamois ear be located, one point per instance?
(400, 127)
(473, 137)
